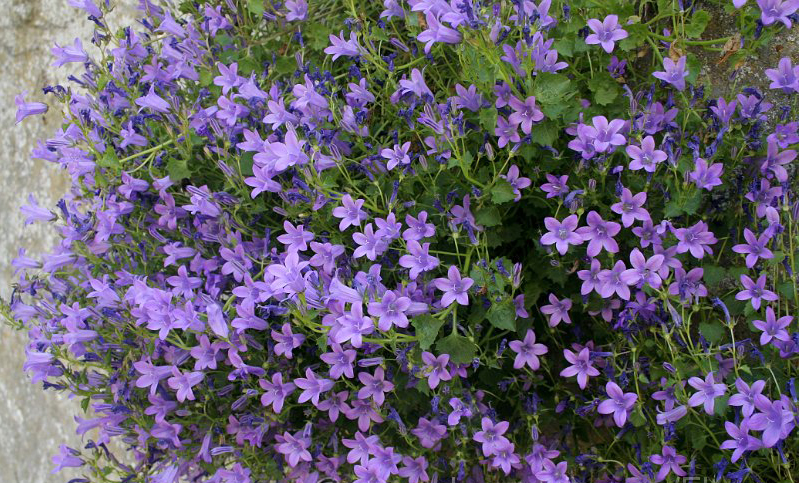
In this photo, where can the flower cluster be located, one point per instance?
(420, 240)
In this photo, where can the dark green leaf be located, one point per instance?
(502, 192)
(178, 169)
(427, 328)
(698, 24)
(712, 331)
(502, 315)
(460, 349)
(488, 216)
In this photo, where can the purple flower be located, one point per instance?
(671, 415)
(524, 113)
(687, 285)
(228, 77)
(287, 341)
(460, 410)
(468, 98)
(294, 448)
(390, 310)
(599, 234)
(295, 238)
(669, 462)
(580, 366)
(562, 234)
(606, 33)
(695, 240)
(429, 432)
(777, 10)
(754, 248)
(153, 102)
(370, 244)
(616, 281)
(437, 32)
(182, 382)
(527, 351)
(704, 176)
(353, 326)
(68, 54)
(773, 328)
(706, 392)
(606, 134)
(491, 435)
(558, 310)
(775, 161)
(455, 288)
(415, 470)
(755, 291)
(66, 458)
(415, 85)
(506, 131)
(297, 10)
(418, 228)
(340, 47)
(518, 183)
(673, 73)
(25, 109)
(619, 404)
(741, 441)
(398, 155)
(374, 386)
(312, 387)
(552, 473)
(775, 419)
(435, 368)
(418, 260)
(785, 77)
(505, 458)
(747, 396)
(325, 255)
(340, 361)
(724, 110)
(630, 207)
(150, 374)
(590, 278)
(288, 277)
(276, 392)
(350, 212)
(645, 271)
(555, 186)
(645, 157)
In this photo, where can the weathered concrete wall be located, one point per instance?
(32, 422)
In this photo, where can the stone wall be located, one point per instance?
(32, 422)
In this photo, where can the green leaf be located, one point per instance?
(476, 66)
(551, 89)
(605, 89)
(545, 133)
(698, 440)
(713, 274)
(109, 159)
(460, 349)
(256, 7)
(683, 204)
(636, 37)
(502, 315)
(427, 328)
(637, 417)
(178, 169)
(488, 119)
(698, 24)
(502, 192)
(712, 331)
(246, 162)
(488, 216)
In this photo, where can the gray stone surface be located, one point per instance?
(32, 422)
